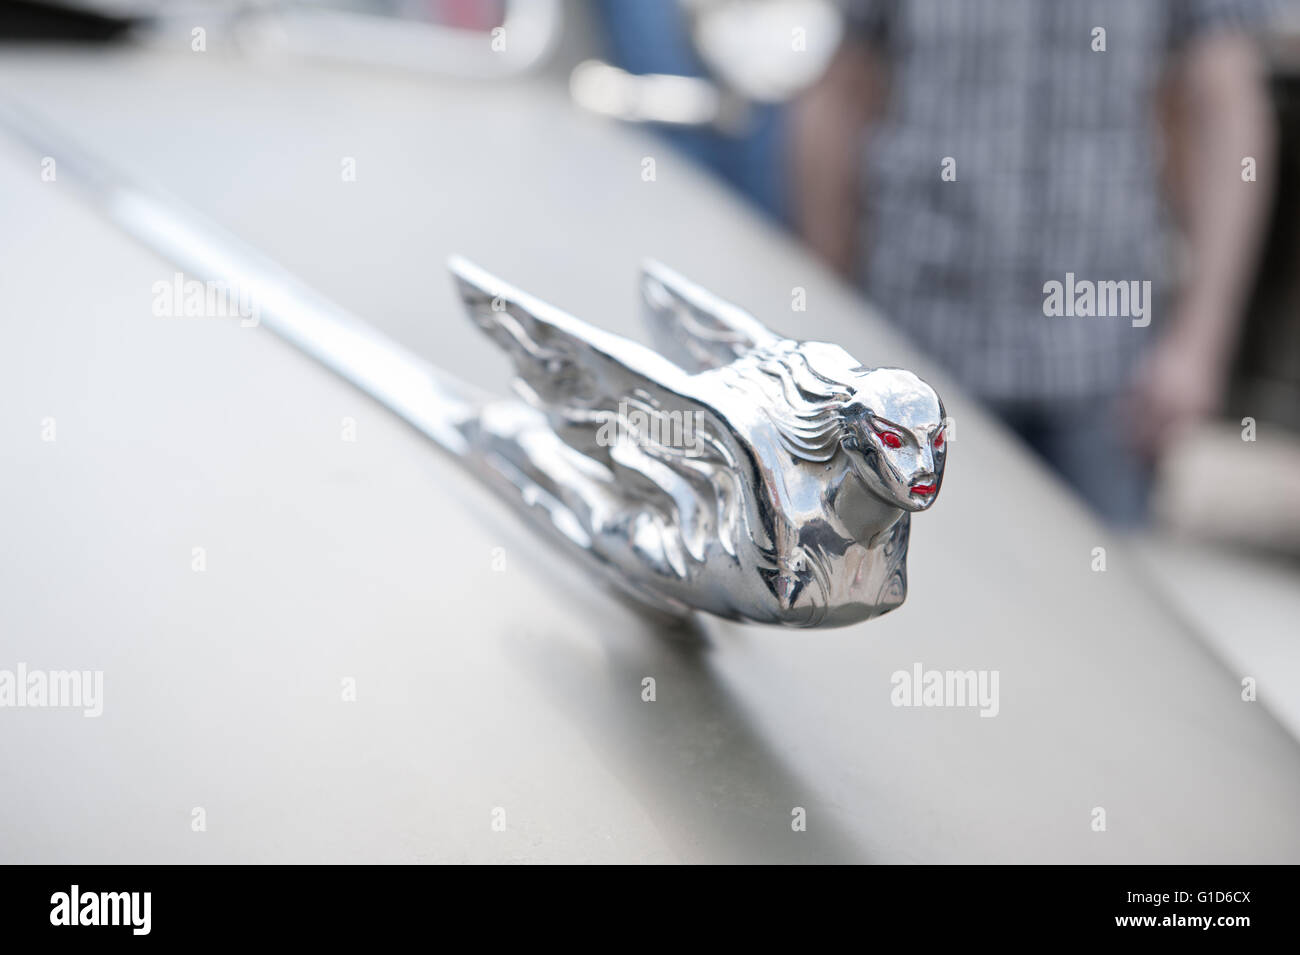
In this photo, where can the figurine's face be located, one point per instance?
(896, 438)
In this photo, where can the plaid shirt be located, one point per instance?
(1056, 162)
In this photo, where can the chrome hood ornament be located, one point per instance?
(738, 473)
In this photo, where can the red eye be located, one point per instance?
(938, 440)
(890, 440)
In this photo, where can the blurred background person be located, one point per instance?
(959, 155)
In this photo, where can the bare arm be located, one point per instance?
(1230, 119)
(1226, 118)
(826, 134)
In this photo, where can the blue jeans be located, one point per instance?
(1085, 443)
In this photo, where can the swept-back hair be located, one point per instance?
(809, 391)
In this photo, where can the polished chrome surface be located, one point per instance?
(663, 99)
(430, 400)
(751, 476)
(765, 50)
(491, 673)
(745, 475)
(753, 52)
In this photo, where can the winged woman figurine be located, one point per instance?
(739, 473)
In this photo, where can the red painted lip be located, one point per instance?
(922, 488)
